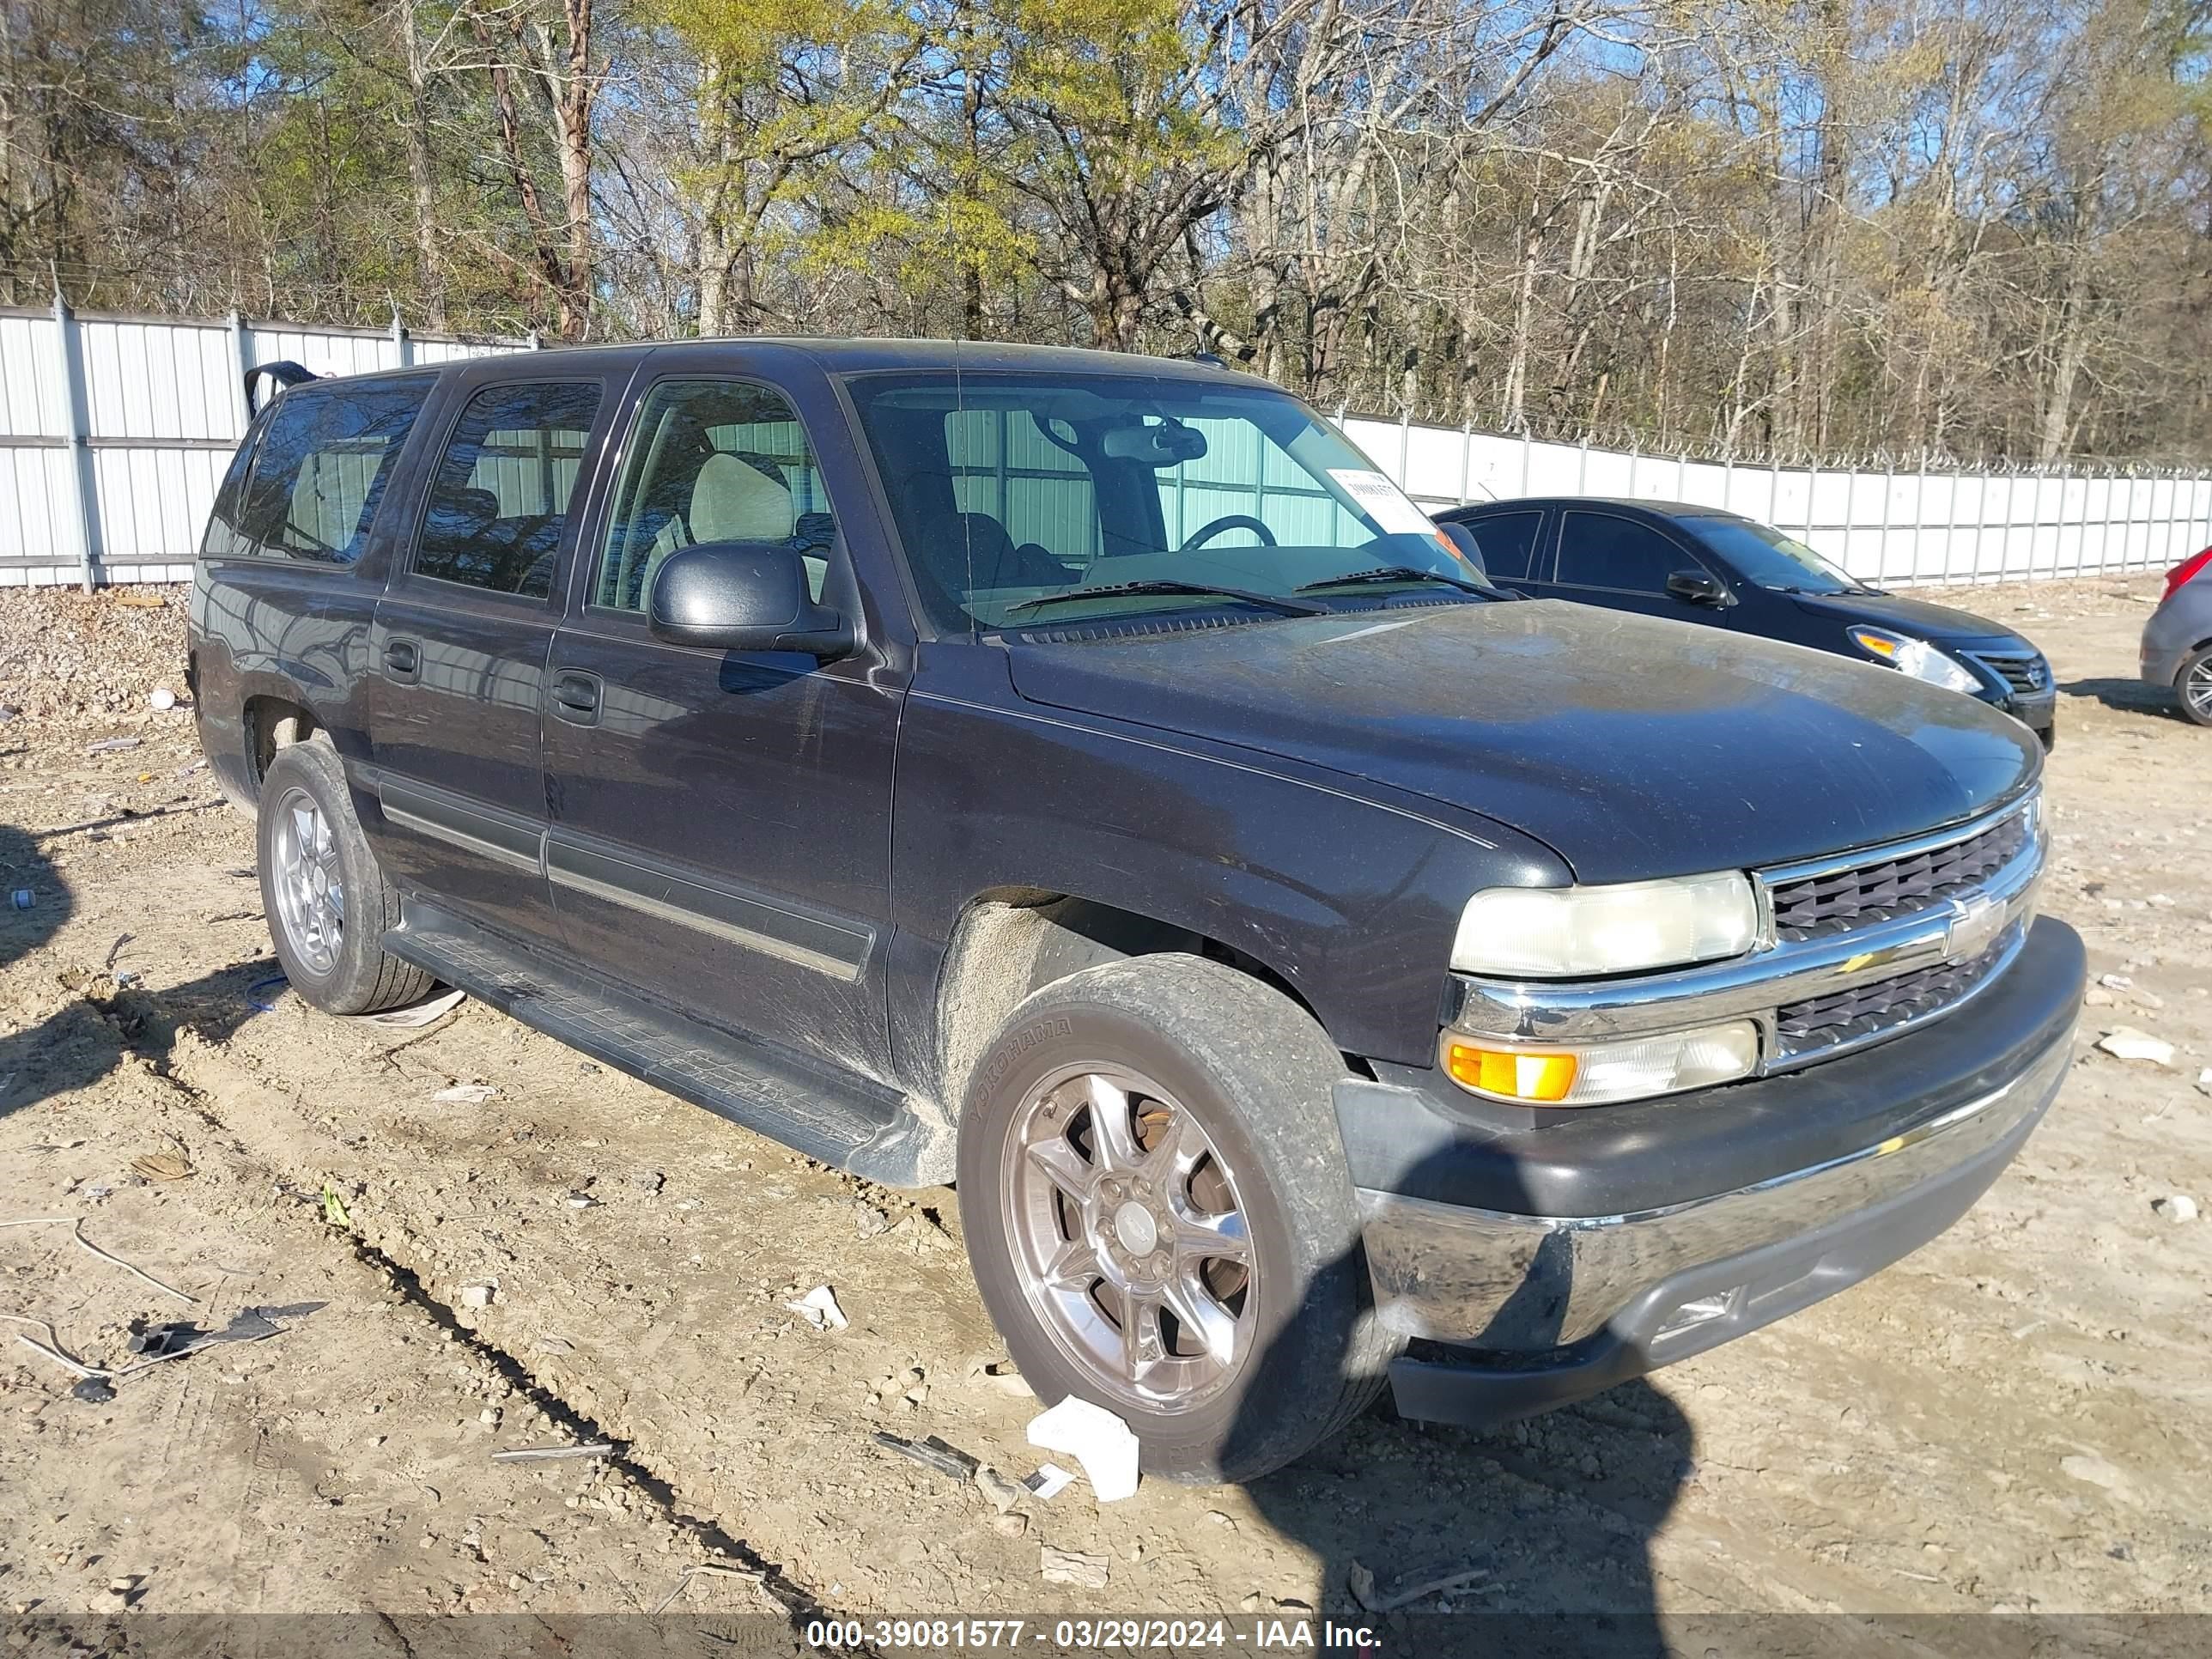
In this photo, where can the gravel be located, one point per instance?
(94, 657)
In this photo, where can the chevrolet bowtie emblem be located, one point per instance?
(1975, 924)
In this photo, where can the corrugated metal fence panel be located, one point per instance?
(30, 390)
(161, 414)
(156, 379)
(1899, 528)
(323, 351)
(161, 411)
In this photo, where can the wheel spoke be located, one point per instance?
(1074, 1268)
(1113, 1138)
(1196, 1310)
(1142, 1347)
(1063, 1165)
(1212, 1237)
(1180, 1148)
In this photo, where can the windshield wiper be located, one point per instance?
(1400, 573)
(1288, 607)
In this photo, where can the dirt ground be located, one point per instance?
(2017, 1417)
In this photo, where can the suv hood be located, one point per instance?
(1632, 746)
(1938, 624)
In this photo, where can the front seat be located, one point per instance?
(985, 555)
(734, 500)
(731, 501)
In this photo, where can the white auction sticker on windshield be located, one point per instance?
(1382, 502)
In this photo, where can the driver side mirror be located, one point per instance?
(1697, 587)
(744, 596)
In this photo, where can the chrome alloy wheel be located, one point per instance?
(310, 892)
(1128, 1236)
(2196, 690)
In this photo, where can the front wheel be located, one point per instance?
(1158, 1215)
(2194, 683)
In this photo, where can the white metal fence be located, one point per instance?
(1900, 528)
(115, 430)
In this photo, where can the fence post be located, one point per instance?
(241, 360)
(1888, 483)
(1850, 520)
(1581, 468)
(1920, 520)
(1727, 481)
(1812, 492)
(538, 343)
(1406, 448)
(1981, 513)
(401, 342)
(1525, 447)
(1466, 460)
(84, 487)
(1681, 476)
(2059, 538)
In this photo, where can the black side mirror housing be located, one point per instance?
(744, 596)
(1697, 587)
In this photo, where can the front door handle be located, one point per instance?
(403, 658)
(576, 696)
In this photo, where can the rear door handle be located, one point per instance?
(576, 696)
(403, 658)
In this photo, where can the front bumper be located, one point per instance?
(1825, 1177)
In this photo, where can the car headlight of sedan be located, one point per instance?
(1916, 657)
(1572, 933)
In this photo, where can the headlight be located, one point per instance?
(1599, 1074)
(1564, 933)
(1917, 658)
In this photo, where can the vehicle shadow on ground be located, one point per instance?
(2129, 697)
(104, 1025)
(1547, 1521)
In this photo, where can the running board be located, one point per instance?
(862, 1126)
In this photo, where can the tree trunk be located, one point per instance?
(421, 180)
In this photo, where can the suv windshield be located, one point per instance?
(1770, 558)
(1023, 499)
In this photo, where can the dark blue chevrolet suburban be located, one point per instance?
(1086, 779)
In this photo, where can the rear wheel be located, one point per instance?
(2194, 683)
(1155, 1198)
(327, 902)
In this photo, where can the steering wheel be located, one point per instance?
(1206, 533)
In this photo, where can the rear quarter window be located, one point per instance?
(307, 487)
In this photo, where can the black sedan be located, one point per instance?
(1702, 565)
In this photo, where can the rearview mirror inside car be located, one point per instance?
(744, 596)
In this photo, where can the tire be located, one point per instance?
(2192, 687)
(1181, 1040)
(310, 849)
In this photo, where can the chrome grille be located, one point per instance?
(1815, 906)
(2024, 672)
(1803, 1029)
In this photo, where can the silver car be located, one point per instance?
(2177, 640)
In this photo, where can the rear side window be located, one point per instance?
(500, 500)
(312, 486)
(1508, 541)
(1599, 550)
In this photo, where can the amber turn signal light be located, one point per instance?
(1512, 1074)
